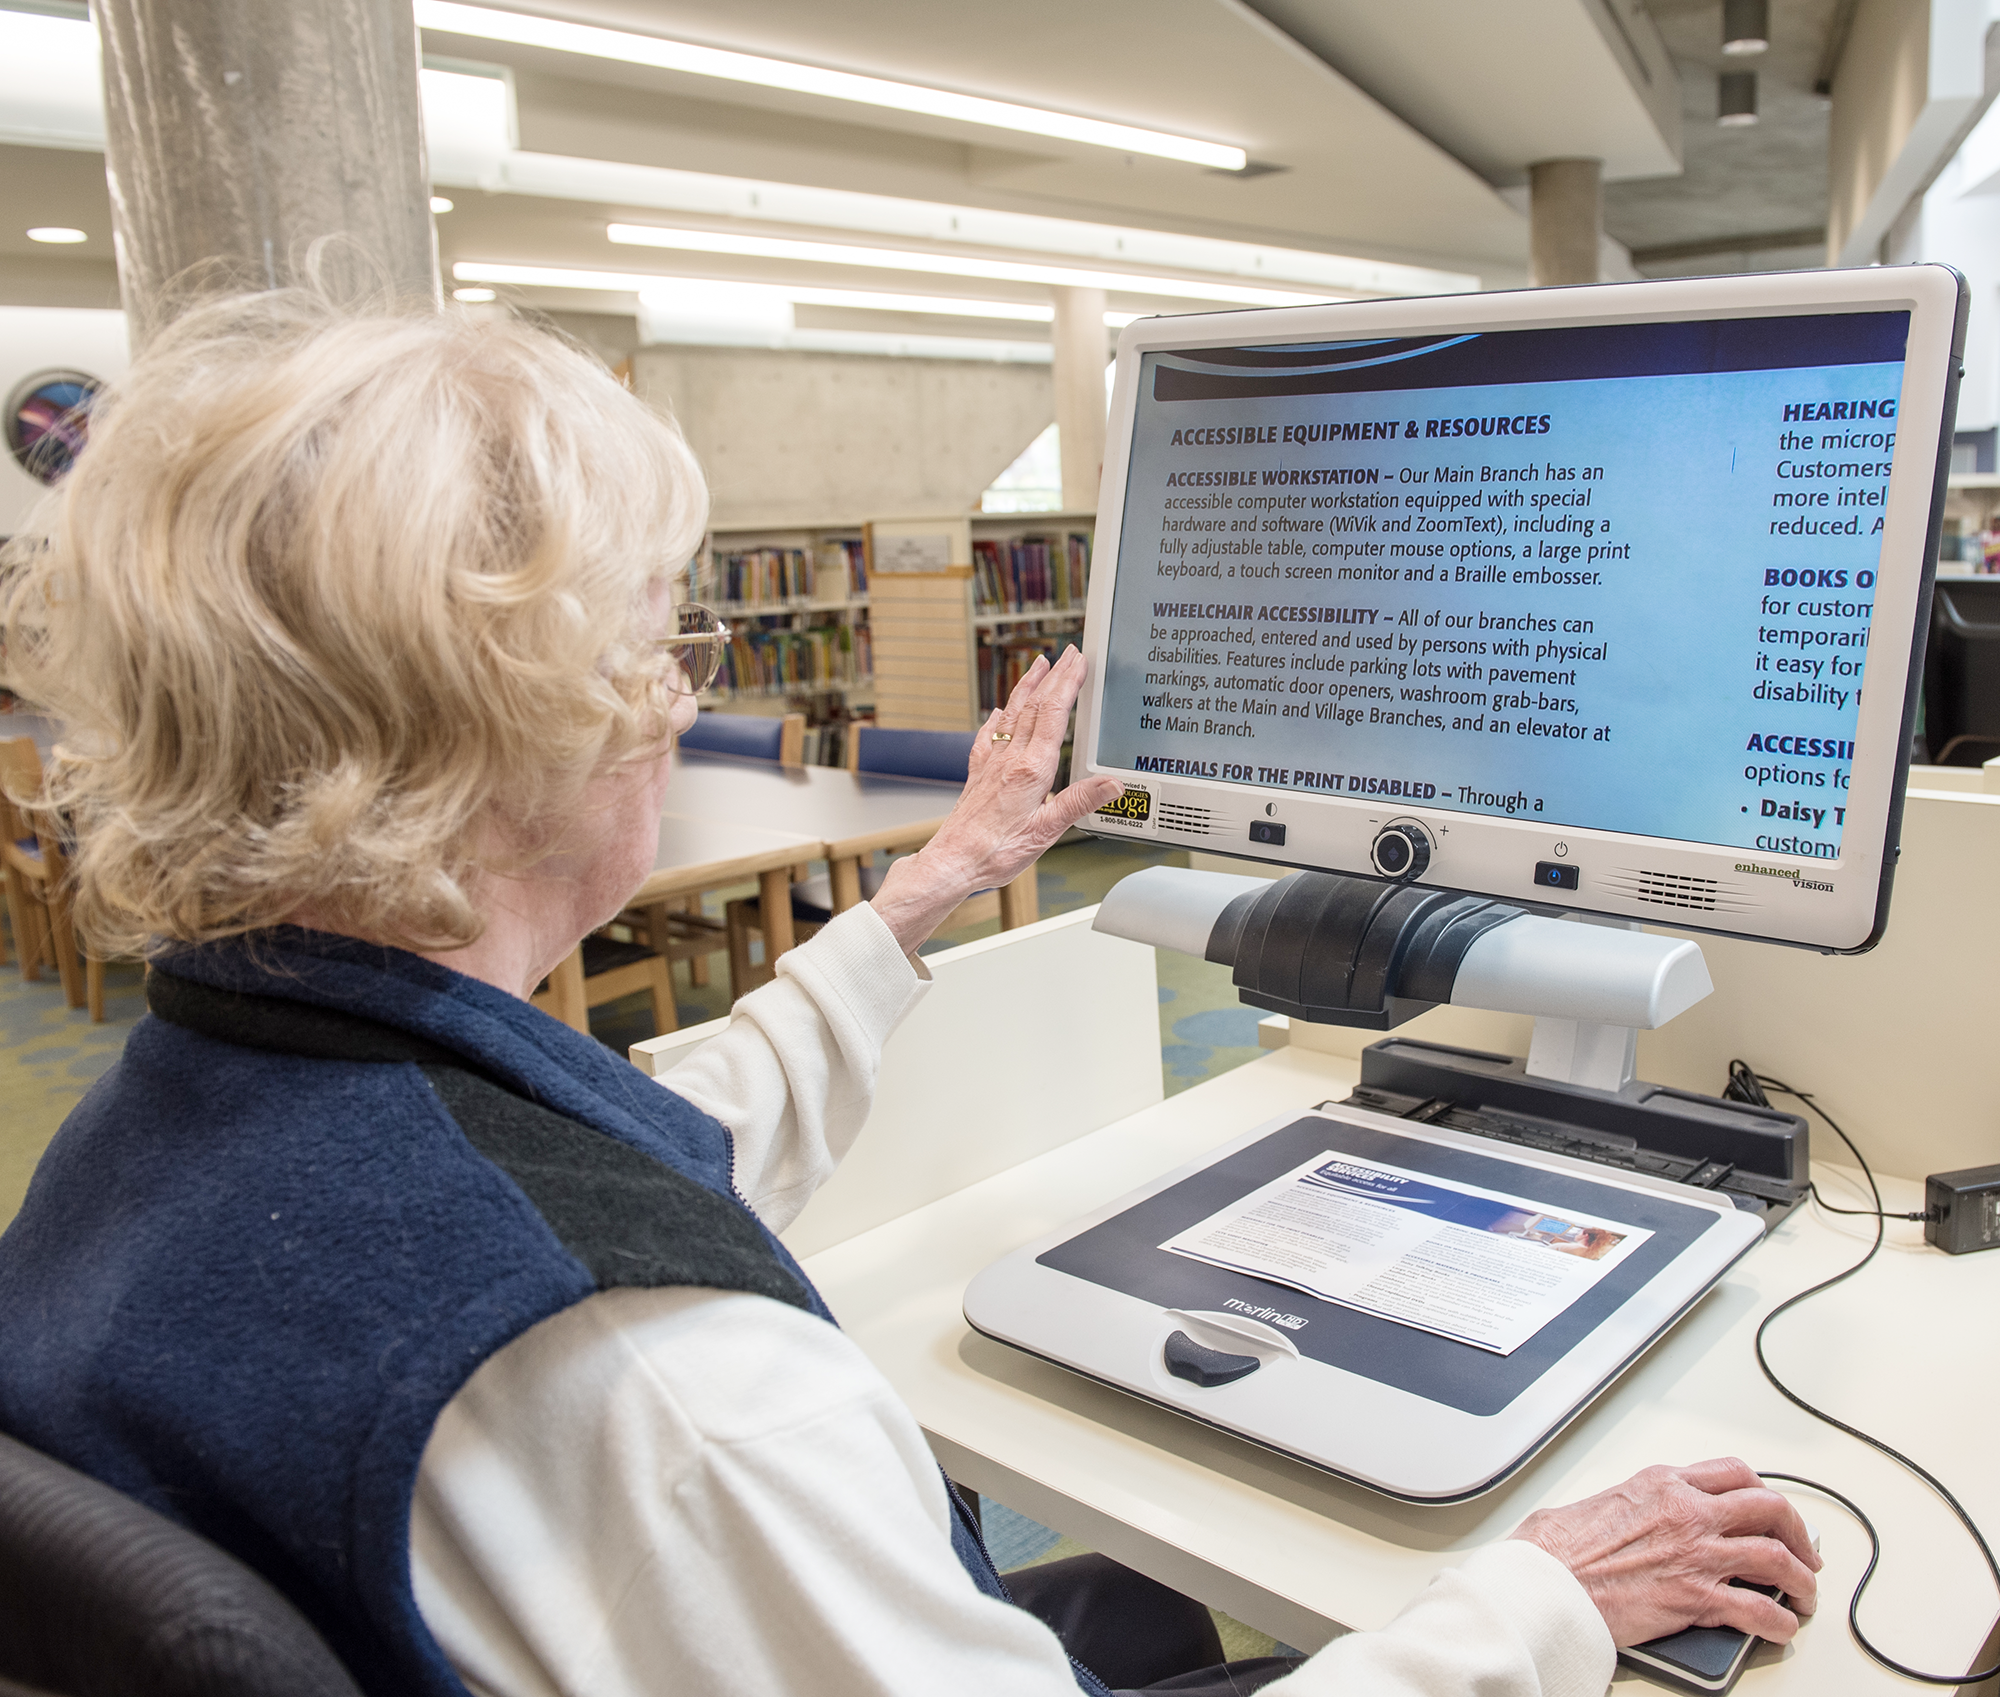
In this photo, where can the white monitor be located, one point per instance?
(1605, 599)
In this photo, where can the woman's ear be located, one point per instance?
(684, 711)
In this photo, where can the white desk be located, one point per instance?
(1904, 1352)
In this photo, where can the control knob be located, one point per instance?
(1401, 851)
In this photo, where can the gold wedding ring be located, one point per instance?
(1003, 736)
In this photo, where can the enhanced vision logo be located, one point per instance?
(1795, 874)
(1291, 1322)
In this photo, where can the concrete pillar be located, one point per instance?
(238, 132)
(1565, 220)
(1079, 374)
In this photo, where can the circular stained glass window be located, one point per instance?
(48, 420)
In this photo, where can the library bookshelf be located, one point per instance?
(920, 624)
(796, 601)
(1971, 523)
(960, 607)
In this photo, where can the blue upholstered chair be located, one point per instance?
(749, 736)
(945, 756)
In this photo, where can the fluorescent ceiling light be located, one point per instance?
(440, 204)
(947, 265)
(593, 42)
(475, 296)
(751, 203)
(469, 124)
(549, 277)
(867, 300)
(56, 233)
(948, 306)
(51, 90)
(706, 311)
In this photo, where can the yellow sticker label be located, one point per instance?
(1134, 807)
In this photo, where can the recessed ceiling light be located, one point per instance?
(56, 233)
(948, 265)
(473, 295)
(439, 203)
(587, 39)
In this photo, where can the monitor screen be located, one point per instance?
(1598, 576)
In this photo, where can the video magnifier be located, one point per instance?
(1511, 622)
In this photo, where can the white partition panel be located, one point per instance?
(1899, 1044)
(1028, 1040)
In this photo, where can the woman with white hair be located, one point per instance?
(476, 1342)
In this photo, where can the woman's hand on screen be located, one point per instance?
(1006, 817)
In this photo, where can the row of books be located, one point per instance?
(1004, 660)
(1031, 574)
(1979, 549)
(779, 577)
(826, 745)
(822, 657)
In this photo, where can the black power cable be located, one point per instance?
(1747, 1085)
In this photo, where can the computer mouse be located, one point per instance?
(1708, 1658)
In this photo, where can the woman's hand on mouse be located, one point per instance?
(1657, 1553)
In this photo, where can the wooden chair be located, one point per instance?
(942, 756)
(679, 929)
(741, 927)
(36, 872)
(601, 970)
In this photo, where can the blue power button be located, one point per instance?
(1553, 875)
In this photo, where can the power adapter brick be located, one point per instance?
(1962, 1210)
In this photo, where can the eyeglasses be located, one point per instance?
(698, 644)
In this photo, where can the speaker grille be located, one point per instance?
(1677, 890)
(1191, 821)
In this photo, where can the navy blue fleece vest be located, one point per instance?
(247, 1279)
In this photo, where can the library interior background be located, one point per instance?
(874, 257)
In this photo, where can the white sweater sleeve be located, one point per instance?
(663, 1491)
(794, 1074)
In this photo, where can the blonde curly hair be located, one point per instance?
(328, 592)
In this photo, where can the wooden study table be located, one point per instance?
(726, 820)
(1900, 1351)
(851, 815)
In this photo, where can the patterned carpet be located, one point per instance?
(49, 1054)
